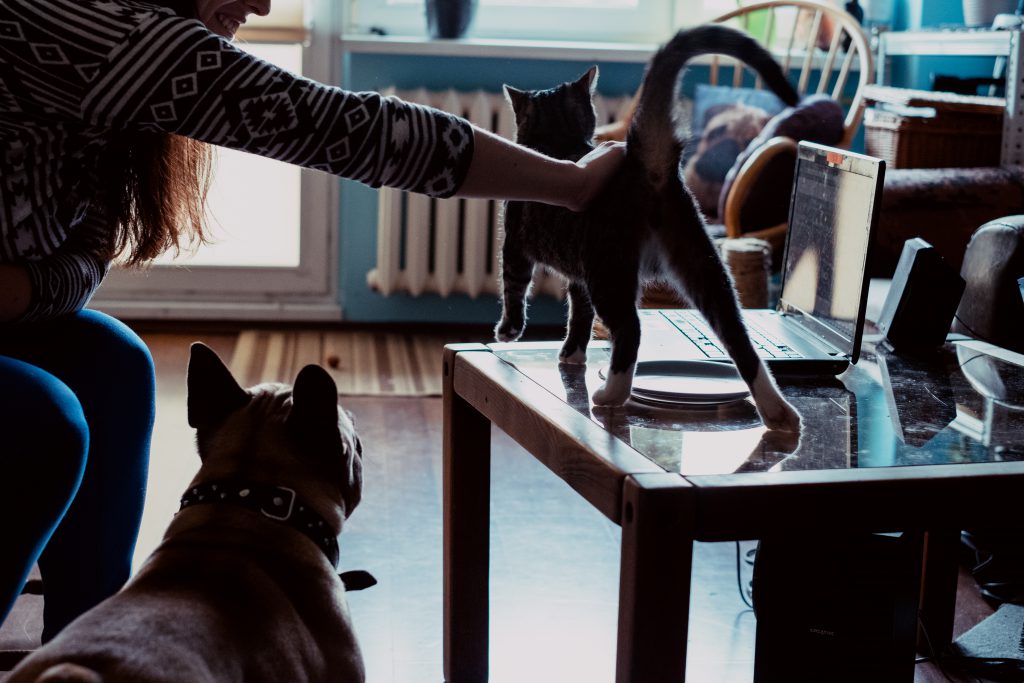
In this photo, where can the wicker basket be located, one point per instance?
(958, 131)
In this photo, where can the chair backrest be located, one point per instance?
(815, 37)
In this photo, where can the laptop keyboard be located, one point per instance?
(696, 329)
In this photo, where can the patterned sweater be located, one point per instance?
(74, 72)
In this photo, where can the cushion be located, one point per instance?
(728, 132)
(707, 97)
(944, 206)
(817, 118)
(724, 120)
(992, 307)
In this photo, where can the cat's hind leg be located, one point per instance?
(693, 261)
(580, 326)
(617, 310)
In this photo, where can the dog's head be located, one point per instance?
(285, 435)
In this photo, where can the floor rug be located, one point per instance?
(363, 363)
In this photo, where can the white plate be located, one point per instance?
(687, 382)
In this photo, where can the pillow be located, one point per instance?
(708, 96)
(817, 118)
(733, 114)
(728, 131)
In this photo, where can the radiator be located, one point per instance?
(448, 246)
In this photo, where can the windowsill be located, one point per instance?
(496, 47)
(639, 53)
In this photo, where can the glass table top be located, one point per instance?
(964, 403)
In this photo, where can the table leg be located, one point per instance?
(654, 583)
(467, 465)
(938, 589)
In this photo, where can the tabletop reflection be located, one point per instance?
(963, 404)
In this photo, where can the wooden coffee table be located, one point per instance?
(886, 447)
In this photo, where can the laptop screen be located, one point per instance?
(832, 218)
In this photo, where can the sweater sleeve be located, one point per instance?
(174, 75)
(65, 281)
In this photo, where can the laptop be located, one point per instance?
(817, 326)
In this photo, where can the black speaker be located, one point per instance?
(922, 299)
(841, 608)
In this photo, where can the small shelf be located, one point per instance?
(961, 43)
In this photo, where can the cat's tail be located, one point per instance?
(653, 133)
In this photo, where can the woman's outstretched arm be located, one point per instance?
(504, 170)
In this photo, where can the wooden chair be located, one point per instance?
(823, 47)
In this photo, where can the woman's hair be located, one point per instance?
(156, 190)
(156, 185)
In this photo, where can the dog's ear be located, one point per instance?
(314, 399)
(213, 393)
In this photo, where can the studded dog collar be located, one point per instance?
(277, 503)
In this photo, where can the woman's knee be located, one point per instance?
(111, 370)
(87, 350)
(114, 348)
(44, 429)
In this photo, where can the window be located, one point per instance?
(273, 252)
(250, 228)
(581, 20)
(648, 21)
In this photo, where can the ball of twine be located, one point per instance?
(750, 261)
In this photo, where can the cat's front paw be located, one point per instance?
(776, 444)
(782, 417)
(615, 391)
(507, 331)
(573, 356)
(775, 411)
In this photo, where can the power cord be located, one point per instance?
(979, 337)
(745, 591)
(932, 655)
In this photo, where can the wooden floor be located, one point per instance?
(554, 559)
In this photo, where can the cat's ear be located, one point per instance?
(213, 393)
(517, 98)
(588, 81)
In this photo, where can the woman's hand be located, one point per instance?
(598, 167)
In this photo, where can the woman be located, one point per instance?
(104, 105)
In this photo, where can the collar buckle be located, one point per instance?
(281, 504)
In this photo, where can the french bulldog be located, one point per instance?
(244, 585)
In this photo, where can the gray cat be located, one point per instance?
(644, 227)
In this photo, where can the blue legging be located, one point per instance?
(77, 397)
